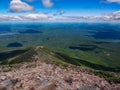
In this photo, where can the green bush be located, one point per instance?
(110, 78)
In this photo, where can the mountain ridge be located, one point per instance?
(41, 69)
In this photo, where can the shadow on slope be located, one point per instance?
(24, 56)
(79, 62)
(10, 54)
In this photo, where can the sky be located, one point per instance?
(20, 10)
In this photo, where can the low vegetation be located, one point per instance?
(107, 76)
(79, 62)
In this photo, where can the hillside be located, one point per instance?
(41, 69)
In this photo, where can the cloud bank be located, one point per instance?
(35, 17)
(113, 1)
(19, 6)
(111, 17)
(29, 17)
(47, 3)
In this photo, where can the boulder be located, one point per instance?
(7, 84)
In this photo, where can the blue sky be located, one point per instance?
(75, 7)
(60, 7)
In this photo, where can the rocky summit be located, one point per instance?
(42, 73)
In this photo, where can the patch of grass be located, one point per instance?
(79, 62)
(31, 65)
(7, 69)
(58, 63)
(110, 78)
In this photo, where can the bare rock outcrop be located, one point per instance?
(49, 77)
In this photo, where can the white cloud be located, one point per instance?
(116, 15)
(29, 17)
(113, 1)
(19, 6)
(35, 17)
(112, 16)
(9, 18)
(60, 12)
(47, 3)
